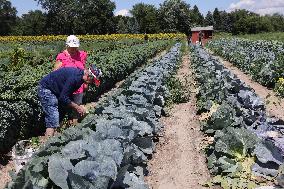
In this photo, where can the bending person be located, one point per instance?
(55, 93)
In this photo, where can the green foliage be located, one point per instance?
(230, 113)
(126, 24)
(230, 158)
(244, 22)
(19, 58)
(209, 19)
(263, 60)
(236, 143)
(174, 16)
(7, 17)
(33, 23)
(245, 179)
(96, 17)
(146, 16)
(222, 116)
(269, 36)
(196, 17)
(217, 19)
(178, 91)
(113, 153)
(21, 115)
(133, 26)
(121, 27)
(81, 17)
(252, 24)
(35, 142)
(119, 63)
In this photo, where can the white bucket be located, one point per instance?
(21, 154)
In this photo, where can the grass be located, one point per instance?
(276, 36)
(271, 36)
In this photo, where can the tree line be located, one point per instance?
(97, 17)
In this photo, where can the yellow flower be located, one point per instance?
(112, 37)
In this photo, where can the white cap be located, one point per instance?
(72, 41)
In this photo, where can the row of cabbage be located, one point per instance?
(263, 60)
(109, 149)
(20, 113)
(248, 146)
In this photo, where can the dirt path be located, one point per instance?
(274, 104)
(4, 170)
(179, 162)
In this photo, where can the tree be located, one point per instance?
(226, 20)
(146, 16)
(209, 20)
(277, 21)
(218, 22)
(132, 25)
(121, 25)
(240, 21)
(17, 28)
(7, 17)
(256, 24)
(80, 17)
(196, 17)
(34, 23)
(97, 16)
(174, 16)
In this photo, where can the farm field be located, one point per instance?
(176, 94)
(262, 60)
(228, 110)
(113, 144)
(20, 110)
(267, 36)
(273, 36)
(118, 59)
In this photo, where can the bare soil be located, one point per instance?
(274, 104)
(179, 161)
(6, 165)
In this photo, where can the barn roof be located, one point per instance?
(202, 28)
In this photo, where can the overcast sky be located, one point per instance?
(123, 6)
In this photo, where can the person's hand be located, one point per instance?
(81, 110)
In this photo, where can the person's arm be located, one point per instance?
(78, 108)
(57, 65)
(65, 94)
(59, 61)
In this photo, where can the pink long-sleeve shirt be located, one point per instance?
(77, 60)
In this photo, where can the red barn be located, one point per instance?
(201, 34)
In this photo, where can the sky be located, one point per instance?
(123, 6)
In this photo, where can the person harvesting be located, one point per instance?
(55, 92)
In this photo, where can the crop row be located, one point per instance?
(109, 149)
(31, 51)
(247, 144)
(263, 60)
(19, 98)
(112, 37)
